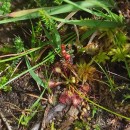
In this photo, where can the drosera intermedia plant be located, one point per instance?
(52, 42)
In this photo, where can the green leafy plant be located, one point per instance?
(127, 96)
(3, 80)
(18, 44)
(18, 48)
(97, 127)
(53, 126)
(120, 51)
(59, 2)
(28, 114)
(5, 7)
(101, 57)
(94, 111)
(45, 26)
(81, 125)
(118, 54)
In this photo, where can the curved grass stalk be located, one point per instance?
(107, 76)
(99, 106)
(91, 23)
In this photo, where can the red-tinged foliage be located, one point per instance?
(67, 57)
(64, 53)
(63, 47)
(85, 88)
(65, 97)
(53, 84)
(76, 100)
(68, 97)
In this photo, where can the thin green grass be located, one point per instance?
(24, 119)
(35, 13)
(47, 58)
(38, 80)
(20, 55)
(110, 81)
(91, 23)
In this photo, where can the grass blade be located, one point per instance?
(47, 58)
(91, 23)
(34, 76)
(20, 55)
(34, 13)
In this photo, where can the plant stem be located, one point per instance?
(110, 111)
